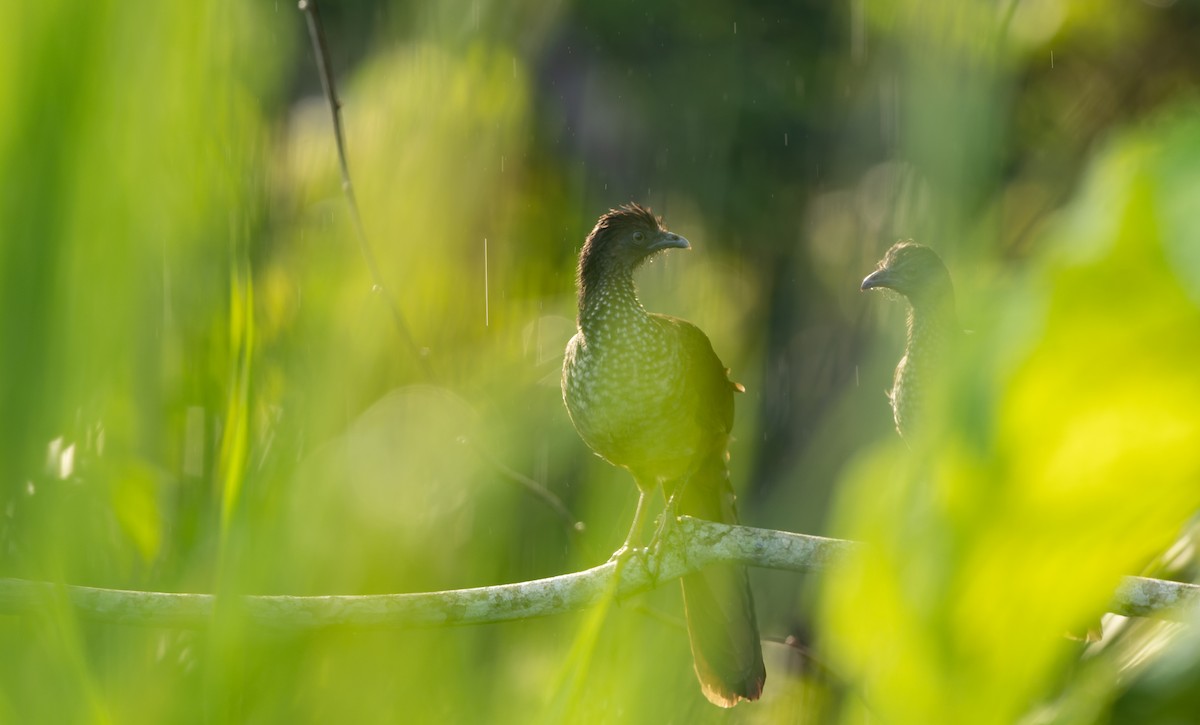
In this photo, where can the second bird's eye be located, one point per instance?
(638, 236)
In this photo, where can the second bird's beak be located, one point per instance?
(669, 240)
(878, 278)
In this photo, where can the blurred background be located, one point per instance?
(204, 390)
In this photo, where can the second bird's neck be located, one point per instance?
(930, 326)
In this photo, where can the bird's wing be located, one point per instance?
(708, 388)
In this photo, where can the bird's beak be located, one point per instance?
(669, 240)
(878, 278)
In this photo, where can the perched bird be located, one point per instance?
(916, 272)
(647, 393)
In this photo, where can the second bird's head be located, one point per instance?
(623, 238)
(914, 271)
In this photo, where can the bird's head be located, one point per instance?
(914, 271)
(624, 238)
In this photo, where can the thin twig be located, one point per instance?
(688, 547)
(316, 34)
(532, 486)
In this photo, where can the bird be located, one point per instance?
(647, 393)
(918, 273)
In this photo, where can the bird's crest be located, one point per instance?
(626, 216)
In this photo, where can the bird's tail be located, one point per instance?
(719, 606)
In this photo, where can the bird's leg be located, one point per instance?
(635, 530)
(667, 520)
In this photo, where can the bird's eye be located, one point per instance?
(638, 236)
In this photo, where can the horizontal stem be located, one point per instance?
(706, 543)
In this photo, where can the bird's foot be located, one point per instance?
(657, 547)
(626, 552)
(666, 523)
(645, 559)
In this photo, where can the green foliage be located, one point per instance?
(203, 391)
(1065, 457)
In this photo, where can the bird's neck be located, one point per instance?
(609, 309)
(931, 324)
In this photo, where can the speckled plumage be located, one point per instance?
(648, 393)
(916, 272)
